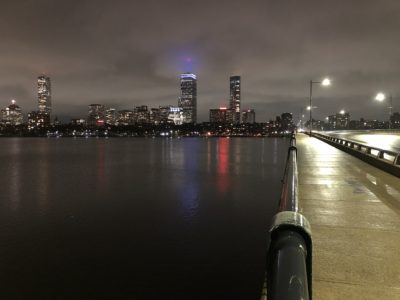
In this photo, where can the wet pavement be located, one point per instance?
(354, 211)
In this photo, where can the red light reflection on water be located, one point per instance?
(223, 164)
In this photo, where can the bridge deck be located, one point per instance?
(354, 211)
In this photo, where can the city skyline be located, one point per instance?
(112, 53)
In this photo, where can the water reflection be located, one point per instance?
(223, 163)
(100, 168)
(43, 176)
(190, 185)
(15, 176)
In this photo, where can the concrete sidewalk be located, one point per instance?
(354, 211)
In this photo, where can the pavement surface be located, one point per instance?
(354, 211)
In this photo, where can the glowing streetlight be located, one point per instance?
(382, 97)
(342, 112)
(324, 82)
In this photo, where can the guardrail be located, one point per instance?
(289, 258)
(386, 160)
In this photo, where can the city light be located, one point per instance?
(380, 97)
(326, 82)
(342, 112)
(188, 75)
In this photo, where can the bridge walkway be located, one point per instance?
(354, 211)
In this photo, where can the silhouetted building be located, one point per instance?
(339, 121)
(12, 114)
(219, 115)
(395, 120)
(188, 98)
(78, 122)
(342, 120)
(96, 115)
(249, 116)
(287, 122)
(234, 98)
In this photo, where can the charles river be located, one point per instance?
(136, 218)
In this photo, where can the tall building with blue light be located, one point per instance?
(234, 98)
(188, 98)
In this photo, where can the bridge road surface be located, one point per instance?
(354, 211)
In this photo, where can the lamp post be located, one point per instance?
(324, 82)
(381, 97)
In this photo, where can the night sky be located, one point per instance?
(126, 53)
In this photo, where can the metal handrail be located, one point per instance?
(289, 259)
(363, 148)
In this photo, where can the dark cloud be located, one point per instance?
(126, 53)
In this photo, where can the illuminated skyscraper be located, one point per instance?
(44, 94)
(12, 115)
(234, 99)
(188, 98)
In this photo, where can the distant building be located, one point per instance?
(234, 98)
(164, 113)
(41, 117)
(78, 122)
(176, 115)
(188, 98)
(111, 116)
(342, 121)
(395, 120)
(249, 116)
(219, 115)
(96, 115)
(141, 114)
(287, 122)
(125, 117)
(155, 116)
(12, 114)
(38, 119)
(44, 94)
(339, 121)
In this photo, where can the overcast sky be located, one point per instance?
(126, 53)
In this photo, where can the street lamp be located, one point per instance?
(325, 82)
(381, 97)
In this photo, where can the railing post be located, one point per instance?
(289, 258)
(397, 160)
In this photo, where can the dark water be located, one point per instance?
(136, 218)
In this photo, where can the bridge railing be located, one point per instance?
(391, 157)
(289, 259)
